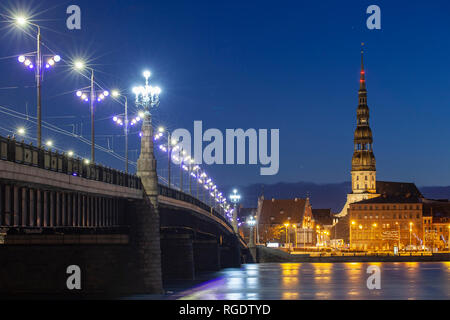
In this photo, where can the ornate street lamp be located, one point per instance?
(90, 97)
(147, 97)
(124, 122)
(22, 22)
(235, 199)
(251, 222)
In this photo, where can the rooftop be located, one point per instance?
(280, 211)
(323, 216)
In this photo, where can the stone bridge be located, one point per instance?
(57, 211)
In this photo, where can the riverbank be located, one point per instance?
(262, 254)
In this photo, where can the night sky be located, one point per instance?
(288, 65)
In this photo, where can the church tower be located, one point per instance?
(363, 161)
(364, 180)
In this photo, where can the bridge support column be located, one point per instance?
(177, 256)
(7, 205)
(230, 256)
(52, 209)
(206, 255)
(32, 208)
(38, 208)
(24, 207)
(148, 235)
(16, 206)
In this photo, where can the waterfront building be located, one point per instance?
(407, 222)
(323, 219)
(286, 222)
(436, 225)
(379, 215)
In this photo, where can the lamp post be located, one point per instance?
(410, 234)
(318, 233)
(181, 154)
(304, 235)
(195, 172)
(147, 97)
(235, 198)
(172, 145)
(251, 222)
(191, 164)
(22, 22)
(351, 227)
(80, 65)
(116, 94)
(286, 225)
(295, 230)
(399, 235)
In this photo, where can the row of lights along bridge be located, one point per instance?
(146, 96)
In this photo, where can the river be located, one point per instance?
(275, 281)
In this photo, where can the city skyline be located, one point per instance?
(224, 151)
(320, 82)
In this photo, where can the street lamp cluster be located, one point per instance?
(146, 97)
(84, 95)
(37, 66)
(194, 173)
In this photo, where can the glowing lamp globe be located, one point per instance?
(146, 74)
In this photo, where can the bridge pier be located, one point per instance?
(206, 255)
(230, 256)
(177, 256)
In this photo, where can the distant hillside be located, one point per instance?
(436, 192)
(321, 195)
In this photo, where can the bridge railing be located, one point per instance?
(178, 195)
(27, 154)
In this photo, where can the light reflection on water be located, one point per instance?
(273, 281)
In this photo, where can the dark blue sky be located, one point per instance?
(290, 65)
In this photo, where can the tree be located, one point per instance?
(274, 232)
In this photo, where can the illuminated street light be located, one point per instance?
(286, 224)
(235, 198)
(80, 65)
(116, 94)
(49, 143)
(70, 153)
(251, 223)
(21, 131)
(147, 99)
(23, 21)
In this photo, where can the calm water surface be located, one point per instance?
(274, 281)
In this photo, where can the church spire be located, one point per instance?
(363, 162)
(362, 85)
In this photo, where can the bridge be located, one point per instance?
(127, 233)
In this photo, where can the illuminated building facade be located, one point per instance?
(422, 224)
(379, 215)
(436, 226)
(288, 222)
